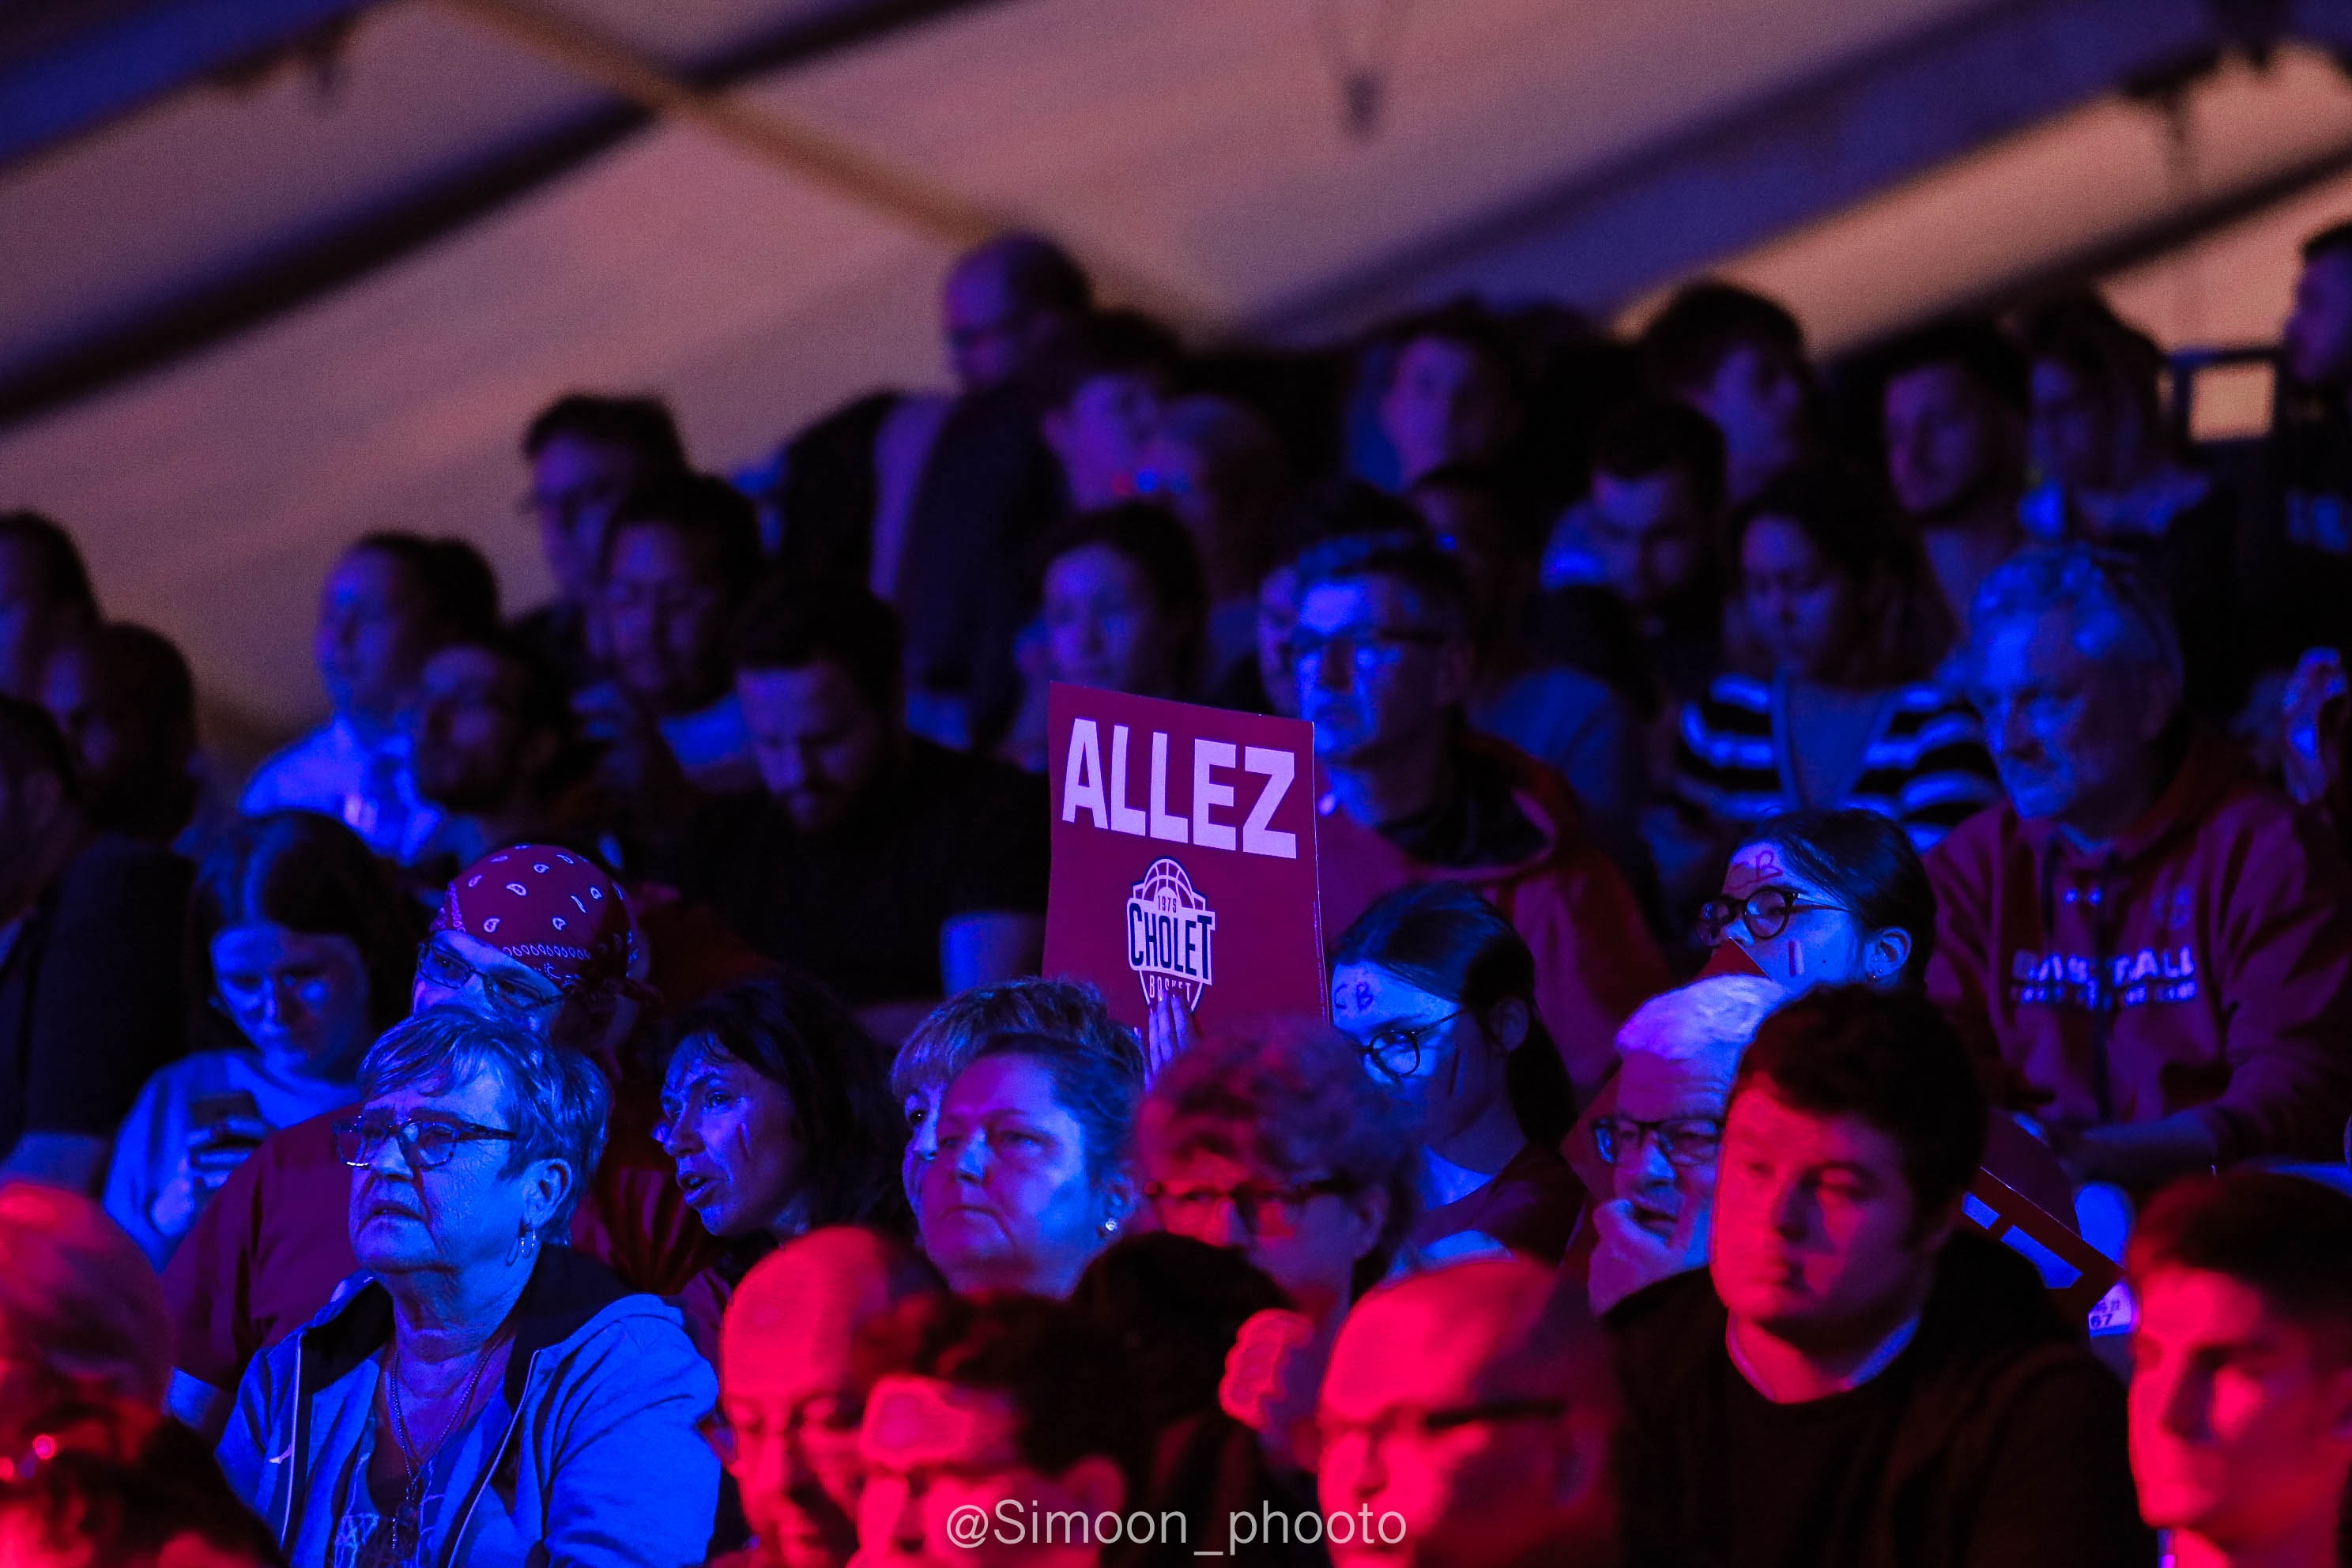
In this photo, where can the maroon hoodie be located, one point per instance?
(2201, 962)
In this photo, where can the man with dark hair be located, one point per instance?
(1739, 359)
(2241, 1369)
(1007, 304)
(1099, 392)
(1456, 393)
(122, 697)
(1633, 593)
(892, 869)
(1858, 1378)
(681, 555)
(89, 963)
(586, 453)
(45, 598)
(1409, 793)
(1953, 410)
(494, 736)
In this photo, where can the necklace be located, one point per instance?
(415, 1461)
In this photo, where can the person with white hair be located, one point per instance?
(2146, 934)
(1679, 1053)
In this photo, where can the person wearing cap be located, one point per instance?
(535, 937)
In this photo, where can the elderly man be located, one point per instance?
(790, 1402)
(1679, 1055)
(2147, 935)
(532, 936)
(1466, 1421)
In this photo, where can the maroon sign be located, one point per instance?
(1183, 857)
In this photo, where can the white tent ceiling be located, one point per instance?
(1583, 149)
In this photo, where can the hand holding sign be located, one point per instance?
(1167, 1032)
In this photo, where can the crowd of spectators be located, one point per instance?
(1819, 862)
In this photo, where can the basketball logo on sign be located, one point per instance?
(1169, 929)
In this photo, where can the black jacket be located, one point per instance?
(2003, 1447)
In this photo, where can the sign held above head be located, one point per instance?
(1183, 857)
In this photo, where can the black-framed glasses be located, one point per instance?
(1255, 1204)
(1366, 653)
(1683, 1139)
(447, 969)
(427, 1142)
(834, 1415)
(1765, 913)
(1398, 1050)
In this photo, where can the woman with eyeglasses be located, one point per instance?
(303, 943)
(1438, 991)
(488, 1396)
(1827, 897)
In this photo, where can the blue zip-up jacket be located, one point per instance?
(598, 1464)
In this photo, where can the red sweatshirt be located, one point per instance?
(1595, 961)
(2200, 961)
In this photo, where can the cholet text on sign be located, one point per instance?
(1183, 856)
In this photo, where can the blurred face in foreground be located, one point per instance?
(2240, 1418)
(939, 1458)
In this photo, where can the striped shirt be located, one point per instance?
(1925, 763)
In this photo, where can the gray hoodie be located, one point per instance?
(586, 1455)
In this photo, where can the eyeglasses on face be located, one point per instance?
(1263, 1208)
(1366, 653)
(1683, 1139)
(1765, 912)
(440, 966)
(245, 995)
(427, 1142)
(1399, 1051)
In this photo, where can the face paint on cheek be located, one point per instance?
(1796, 960)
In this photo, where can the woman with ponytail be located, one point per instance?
(1438, 993)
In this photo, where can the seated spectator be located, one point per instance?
(126, 704)
(1825, 897)
(1272, 1142)
(1571, 722)
(680, 558)
(1125, 610)
(1031, 1177)
(976, 1406)
(1455, 393)
(1739, 359)
(1408, 792)
(103, 1484)
(80, 1313)
(90, 983)
(790, 1401)
(1328, 511)
(389, 603)
(306, 946)
(1468, 1418)
(269, 1251)
(2296, 551)
(2153, 941)
(1099, 392)
(891, 868)
(2241, 1370)
(1953, 413)
(473, 1142)
(587, 454)
(1837, 707)
(45, 599)
(1437, 992)
(2111, 473)
(1220, 468)
(1858, 1378)
(496, 755)
(774, 1109)
(1662, 1137)
(1633, 592)
(951, 1034)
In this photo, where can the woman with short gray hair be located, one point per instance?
(475, 1343)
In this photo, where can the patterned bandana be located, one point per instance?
(551, 909)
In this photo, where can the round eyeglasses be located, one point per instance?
(1765, 913)
(1397, 1051)
(1683, 1139)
